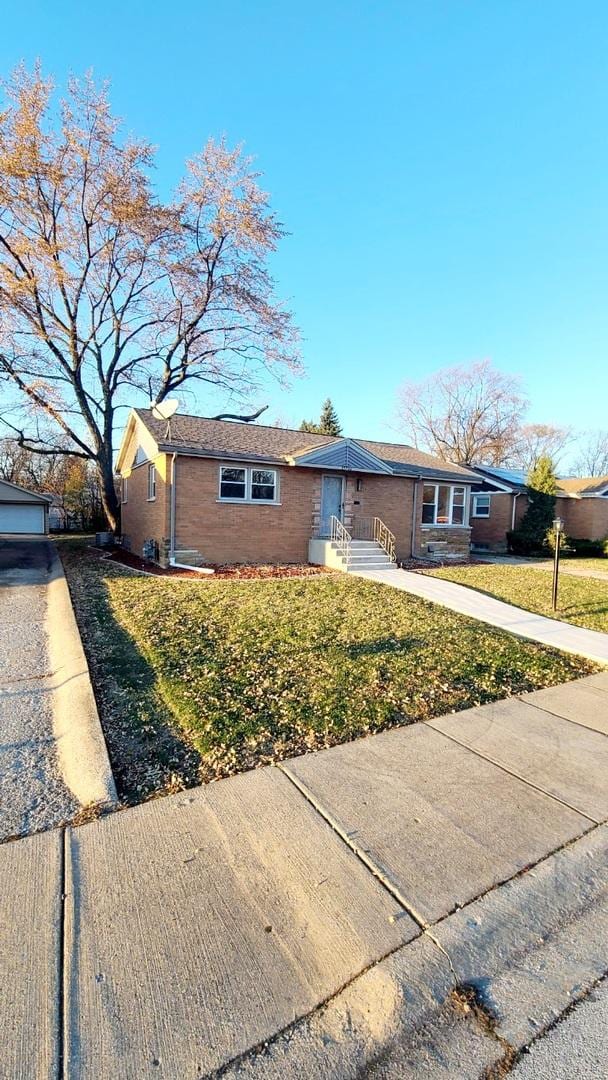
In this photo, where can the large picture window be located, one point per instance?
(443, 504)
(248, 485)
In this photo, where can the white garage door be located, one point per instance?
(20, 518)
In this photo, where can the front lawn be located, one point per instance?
(589, 565)
(198, 680)
(582, 601)
(569, 562)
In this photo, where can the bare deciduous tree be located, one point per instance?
(535, 441)
(593, 457)
(107, 292)
(466, 414)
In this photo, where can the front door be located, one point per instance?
(331, 502)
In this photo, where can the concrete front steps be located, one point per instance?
(364, 555)
(367, 555)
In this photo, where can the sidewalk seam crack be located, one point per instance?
(61, 962)
(568, 719)
(517, 776)
(361, 855)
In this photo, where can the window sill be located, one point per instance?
(249, 502)
(480, 517)
(427, 526)
(153, 499)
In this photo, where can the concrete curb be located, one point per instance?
(81, 747)
(522, 955)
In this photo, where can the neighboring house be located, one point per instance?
(216, 491)
(584, 506)
(22, 511)
(499, 502)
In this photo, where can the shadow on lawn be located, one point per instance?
(381, 646)
(583, 610)
(148, 751)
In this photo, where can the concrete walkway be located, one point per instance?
(560, 635)
(202, 931)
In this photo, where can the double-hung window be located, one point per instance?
(443, 504)
(233, 483)
(248, 485)
(151, 482)
(481, 506)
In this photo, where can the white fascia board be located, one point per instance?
(145, 439)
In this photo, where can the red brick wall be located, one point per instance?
(143, 520)
(584, 518)
(492, 531)
(387, 497)
(245, 533)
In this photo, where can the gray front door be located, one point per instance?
(331, 502)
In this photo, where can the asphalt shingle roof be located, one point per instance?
(587, 485)
(234, 439)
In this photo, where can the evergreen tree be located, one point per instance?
(328, 424)
(542, 488)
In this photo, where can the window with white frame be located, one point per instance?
(481, 506)
(263, 485)
(248, 485)
(125, 489)
(443, 504)
(233, 483)
(151, 482)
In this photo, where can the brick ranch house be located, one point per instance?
(499, 501)
(212, 491)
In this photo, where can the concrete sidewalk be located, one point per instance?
(559, 635)
(203, 931)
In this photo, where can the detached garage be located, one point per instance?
(23, 511)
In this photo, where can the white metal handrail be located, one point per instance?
(384, 537)
(340, 536)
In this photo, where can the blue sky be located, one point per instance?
(441, 167)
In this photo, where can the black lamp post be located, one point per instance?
(558, 525)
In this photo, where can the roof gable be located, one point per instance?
(15, 493)
(343, 454)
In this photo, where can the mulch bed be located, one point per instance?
(134, 562)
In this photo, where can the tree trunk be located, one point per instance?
(109, 498)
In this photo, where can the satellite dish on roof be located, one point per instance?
(164, 410)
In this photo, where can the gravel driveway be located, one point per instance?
(32, 793)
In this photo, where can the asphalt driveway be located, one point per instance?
(32, 793)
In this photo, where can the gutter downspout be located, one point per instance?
(417, 480)
(172, 562)
(172, 510)
(516, 495)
